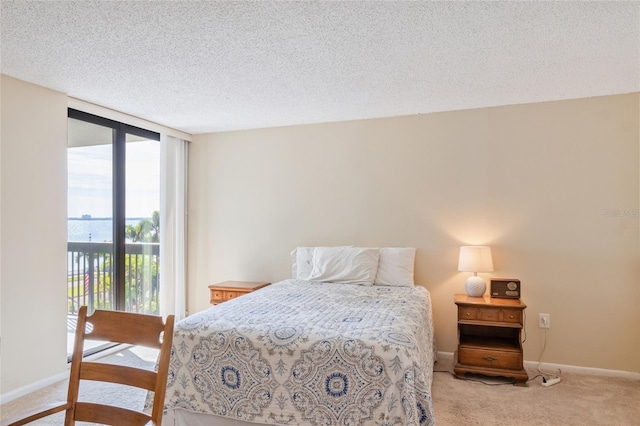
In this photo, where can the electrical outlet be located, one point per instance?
(544, 321)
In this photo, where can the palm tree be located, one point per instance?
(146, 230)
(141, 232)
(155, 227)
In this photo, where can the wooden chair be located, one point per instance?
(120, 327)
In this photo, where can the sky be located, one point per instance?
(90, 180)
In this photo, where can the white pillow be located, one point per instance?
(349, 265)
(301, 262)
(395, 267)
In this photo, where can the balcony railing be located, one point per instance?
(90, 277)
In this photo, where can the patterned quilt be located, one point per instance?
(300, 353)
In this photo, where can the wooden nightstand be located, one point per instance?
(228, 290)
(489, 337)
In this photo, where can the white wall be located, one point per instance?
(33, 240)
(533, 181)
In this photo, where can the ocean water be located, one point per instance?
(98, 230)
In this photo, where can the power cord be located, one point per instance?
(548, 378)
(485, 383)
(468, 379)
(535, 377)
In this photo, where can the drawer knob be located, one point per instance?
(489, 358)
(468, 314)
(489, 315)
(511, 316)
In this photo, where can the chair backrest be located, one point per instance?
(119, 327)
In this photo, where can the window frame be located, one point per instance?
(119, 191)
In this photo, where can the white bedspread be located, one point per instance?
(299, 353)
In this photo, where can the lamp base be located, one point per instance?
(475, 286)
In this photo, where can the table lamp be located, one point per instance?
(475, 259)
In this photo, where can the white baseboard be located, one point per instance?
(32, 387)
(590, 371)
(567, 368)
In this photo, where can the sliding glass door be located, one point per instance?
(113, 216)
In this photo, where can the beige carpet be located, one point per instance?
(578, 400)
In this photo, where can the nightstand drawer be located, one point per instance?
(228, 295)
(216, 296)
(466, 313)
(224, 295)
(485, 314)
(489, 358)
(228, 290)
(512, 316)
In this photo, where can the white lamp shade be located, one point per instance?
(475, 259)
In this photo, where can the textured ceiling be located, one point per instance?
(213, 66)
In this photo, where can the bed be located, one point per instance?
(306, 352)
